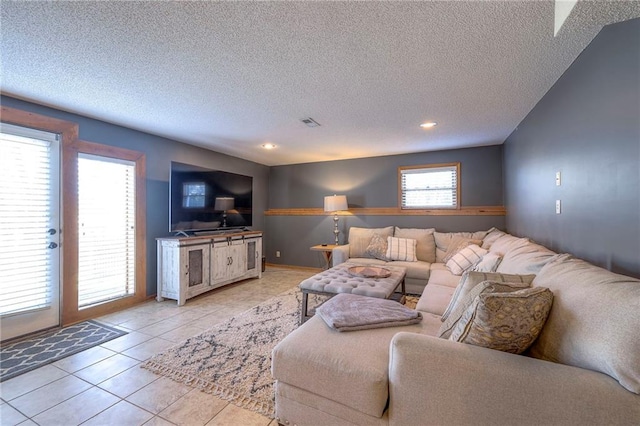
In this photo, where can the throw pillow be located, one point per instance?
(508, 322)
(443, 239)
(484, 287)
(470, 279)
(359, 238)
(488, 263)
(377, 248)
(457, 244)
(401, 249)
(425, 242)
(465, 259)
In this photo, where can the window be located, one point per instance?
(429, 186)
(193, 194)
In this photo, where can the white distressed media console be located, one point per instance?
(189, 266)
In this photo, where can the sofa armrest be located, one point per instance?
(340, 254)
(436, 381)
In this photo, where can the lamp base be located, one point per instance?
(336, 231)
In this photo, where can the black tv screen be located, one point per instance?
(193, 192)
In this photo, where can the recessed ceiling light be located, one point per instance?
(268, 146)
(428, 124)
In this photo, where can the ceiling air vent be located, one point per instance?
(310, 122)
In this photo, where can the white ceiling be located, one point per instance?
(231, 76)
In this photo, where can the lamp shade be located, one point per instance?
(223, 203)
(334, 203)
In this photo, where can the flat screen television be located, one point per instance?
(202, 199)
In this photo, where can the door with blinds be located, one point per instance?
(106, 229)
(29, 230)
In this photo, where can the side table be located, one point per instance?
(327, 252)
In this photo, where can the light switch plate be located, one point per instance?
(557, 206)
(558, 178)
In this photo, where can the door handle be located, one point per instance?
(52, 245)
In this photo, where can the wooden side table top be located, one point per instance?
(326, 247)
(327, 253)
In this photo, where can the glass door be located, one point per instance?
(29, 230)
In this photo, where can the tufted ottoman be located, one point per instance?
(339, 280)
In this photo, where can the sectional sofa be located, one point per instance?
(584, 367)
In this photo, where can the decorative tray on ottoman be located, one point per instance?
(369, 272)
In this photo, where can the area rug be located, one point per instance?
(233, 359)
(28, 354)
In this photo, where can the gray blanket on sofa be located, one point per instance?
(348, 312)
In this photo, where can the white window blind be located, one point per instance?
(429, 187)
(106, 229)
(26, 264)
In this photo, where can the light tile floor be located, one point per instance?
(105, 385)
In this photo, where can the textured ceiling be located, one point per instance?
(231, 76)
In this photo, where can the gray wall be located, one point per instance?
(371, 182)
(159, 153)
(588, 127)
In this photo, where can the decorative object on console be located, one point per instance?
(224, 204)
(335, 203)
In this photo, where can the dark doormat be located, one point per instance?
(33, 352)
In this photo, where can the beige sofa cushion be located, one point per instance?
(507, 322)
(359, 239)
(507, 242)
(426, 243)
(527, 258)
(594, 321)
(418, 270)
(492, 235)
(349, 368)
(443, 239)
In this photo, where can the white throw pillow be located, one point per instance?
(401, 249)
(465, 259)
(488, 263)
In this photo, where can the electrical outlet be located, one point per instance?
(278, 253)
(558, 178)
(557, 206)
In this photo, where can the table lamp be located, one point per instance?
(223, 204)
(335, 203)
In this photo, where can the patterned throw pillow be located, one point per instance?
(401, 249)
(483, 288)
(470, 279)
(465, 259)
(488, 263)
(377, 248)
(508, 322)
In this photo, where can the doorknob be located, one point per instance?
(52, 245)
(51, 232)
